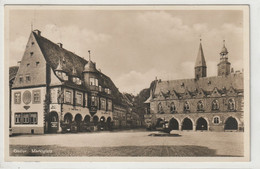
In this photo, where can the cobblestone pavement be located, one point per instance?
(225, 143)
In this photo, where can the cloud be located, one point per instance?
(16, 50)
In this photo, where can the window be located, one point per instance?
(37, 63)
(200, 106)
(28, 78)
(96, 82)
(32, 43)
(99, 88)
(216, 120)
(79, 99)
(28, 64)
(31, 53)
(26, 118)
(33, 118)
(94, 101)
(103, 104)
(68, 97)
(92, 81)
(109, 106)
(231, 104)
(17, 97)
(36, 96)
(186, 106)
(173, 107)
(20, 79)
(215, 105)
(17, 118)
(86, 99)
(160, 108)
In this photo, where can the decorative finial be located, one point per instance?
(89, 55)
(224, 42)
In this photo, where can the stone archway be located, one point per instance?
(159, 123)
(187, 124)
(78, 120)
(231, 124)
(95, 120)
(202, 124)
(109, 124)
(173, 124)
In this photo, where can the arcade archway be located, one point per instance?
(174, 124)
(187, 124)
(231, 124)
(202, 124)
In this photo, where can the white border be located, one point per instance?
(255, 91)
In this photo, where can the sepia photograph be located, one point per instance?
(127, 83)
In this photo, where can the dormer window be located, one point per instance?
(28, 78)
(32, 43)
(28, 64)
(37, 63)
(20, 79)
(31, 53)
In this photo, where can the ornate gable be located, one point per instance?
(200, 93)
(186, 94)
(174, 95)
(215, 93)
(231, 92)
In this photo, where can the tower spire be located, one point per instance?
(200, 65)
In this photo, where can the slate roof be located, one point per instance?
(58, 57)
(207, 84)
(12, 72)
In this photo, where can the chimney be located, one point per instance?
(59, 44)
(37, 32)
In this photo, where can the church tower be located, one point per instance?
(224, 65)
(200, 66)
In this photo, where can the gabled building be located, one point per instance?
(200, 103)
(55, 90)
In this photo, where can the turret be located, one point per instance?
(200, 66)
(224, 65)
(90, 74)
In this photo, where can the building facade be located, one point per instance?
(54, 90)
(201, 103)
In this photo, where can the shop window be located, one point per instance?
(17, 97)
(36, 96)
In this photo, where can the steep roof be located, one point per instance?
(53, 53)
(58, 57)
(207, 84)
(200, 61)
(13, 71)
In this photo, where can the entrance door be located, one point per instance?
(78, 119)
(54, 122)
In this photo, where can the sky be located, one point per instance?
(133, 47)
